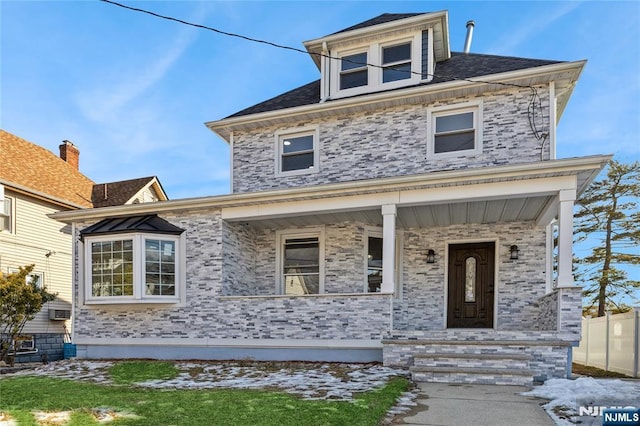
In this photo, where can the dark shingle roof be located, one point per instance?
(460, 66)
(380, 19)
(117, 193)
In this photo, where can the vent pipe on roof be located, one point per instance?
(467, 42)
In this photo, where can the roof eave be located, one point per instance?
(314, 47)
(590, 165)
(570, 71)
(41, 195)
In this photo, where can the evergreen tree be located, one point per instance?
(608, 214)
(20, 300)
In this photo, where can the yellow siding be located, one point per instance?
(36, 235)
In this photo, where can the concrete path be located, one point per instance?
(459, 405)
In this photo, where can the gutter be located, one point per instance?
(455, 177)
(41, 195)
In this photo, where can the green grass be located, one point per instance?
(129, 372)
(19, 396)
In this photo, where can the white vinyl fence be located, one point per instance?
(611, 343)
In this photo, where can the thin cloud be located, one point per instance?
(106, 104)
(509, 43)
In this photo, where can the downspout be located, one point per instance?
(325, 77)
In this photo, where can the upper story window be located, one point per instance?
(382, 64)
(300, 260)
(455, 130)
(396, 61)
(354, 71)
(6, 214)
(297, 152)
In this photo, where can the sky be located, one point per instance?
(133, 91)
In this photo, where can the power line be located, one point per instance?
(533, 102)
(295, 49)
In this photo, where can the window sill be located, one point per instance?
(130, 301)
(295, 296)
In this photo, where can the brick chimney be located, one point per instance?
(70, 154)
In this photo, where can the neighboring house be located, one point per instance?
(376, 215)
(35, 183)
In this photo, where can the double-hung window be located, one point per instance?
(300, 258)
(354, 71)
(455, 130)
(6, 215)
(297, 152)
(134, 266)
(396, 62)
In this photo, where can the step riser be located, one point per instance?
(468, 378)
(469, 363)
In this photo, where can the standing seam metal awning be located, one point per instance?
(148, 224)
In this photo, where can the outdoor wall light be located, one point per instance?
(431, 256)
(515, 253)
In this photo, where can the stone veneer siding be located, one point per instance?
(520, 282)
(548, 312)
(49, 345)
(210, 276)
(391, 142)
(233, 259)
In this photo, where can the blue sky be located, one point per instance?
(133, 91)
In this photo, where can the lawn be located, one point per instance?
(22, 396)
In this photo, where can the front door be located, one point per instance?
(470, 287)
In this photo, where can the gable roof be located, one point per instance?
(380, 19)
(28, 166)
(460, 66)
(121, 192)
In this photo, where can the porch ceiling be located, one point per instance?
(426, 216)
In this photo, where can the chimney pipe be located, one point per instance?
(70, 154)
(467, 42)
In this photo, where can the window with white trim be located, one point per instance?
(455, 130)
(297, 152)
(396, 62)
(36, 278)
(300, 260)
(373, 239)
(7, 214)
(134, 268)
(354, 71)
(380, 65)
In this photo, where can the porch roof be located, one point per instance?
(513, 192)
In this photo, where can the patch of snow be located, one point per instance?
(568, 396)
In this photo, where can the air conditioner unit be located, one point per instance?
(59, 314)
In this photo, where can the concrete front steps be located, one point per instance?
(472, 368)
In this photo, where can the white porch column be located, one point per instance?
(388, 248)
(565, 238)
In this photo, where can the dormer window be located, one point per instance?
(354, 71)
(396, 61)
(382, 64)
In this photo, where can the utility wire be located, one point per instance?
(534, 101)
